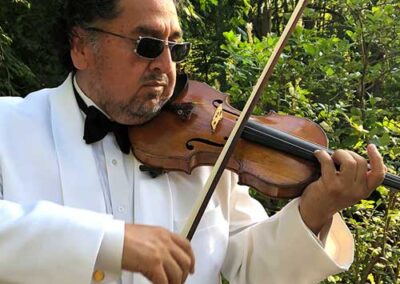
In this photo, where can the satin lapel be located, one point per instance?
(79, 177)
(152, 200)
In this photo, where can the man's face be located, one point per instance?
(129, 88)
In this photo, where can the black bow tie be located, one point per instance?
(97, 125)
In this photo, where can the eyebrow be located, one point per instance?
(146, 30)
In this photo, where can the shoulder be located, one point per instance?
(7, 103)
(23, 120)
(33, 108)
(13, 109)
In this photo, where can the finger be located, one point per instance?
(173, 270)
(328, 170)
(362, 167)
(377, 168)
(183, 260)
(159, 276)
(185, 245)
(346, 162)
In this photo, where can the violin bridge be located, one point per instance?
(217, 117)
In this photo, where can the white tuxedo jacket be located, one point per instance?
(52, 212)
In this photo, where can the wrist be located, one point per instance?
(313, 218)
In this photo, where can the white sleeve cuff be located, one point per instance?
(336, 240)
(109, 258)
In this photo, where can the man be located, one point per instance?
(75, 211)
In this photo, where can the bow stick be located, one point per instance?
(205, 195)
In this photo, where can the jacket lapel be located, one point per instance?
(80, 181)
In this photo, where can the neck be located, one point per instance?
(86, 86)
(84, 94)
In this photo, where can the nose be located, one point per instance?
(163, 63)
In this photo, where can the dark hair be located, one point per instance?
(80, 13)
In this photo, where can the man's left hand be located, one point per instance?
(338, 189)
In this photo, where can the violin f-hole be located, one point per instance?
(191, 147)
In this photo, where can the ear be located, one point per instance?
(80, 49)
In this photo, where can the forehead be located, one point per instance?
(154, 17)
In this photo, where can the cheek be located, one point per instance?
(123, 76)
(118, 62)
(172, 82)
(120, 70)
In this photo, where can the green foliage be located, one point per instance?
(345, 76)
(340, 69)
(12, 69)
(28, 60)
(376, 230)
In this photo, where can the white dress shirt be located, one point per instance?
(109, 161)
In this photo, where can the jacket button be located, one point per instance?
(98, 276)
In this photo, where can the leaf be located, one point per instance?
(326, 126)
(349, 141)
(329, 71)
(350, 33)
(384, 140)
(310, 49)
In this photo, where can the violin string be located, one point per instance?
(299, 147)
(223, 158)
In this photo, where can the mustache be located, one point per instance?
(162, 78)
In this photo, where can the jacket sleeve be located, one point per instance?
(48, 243)
(281, 249)
(40, 241)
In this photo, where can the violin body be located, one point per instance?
(283, 170)
(174, 143)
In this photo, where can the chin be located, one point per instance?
(138, 119)
(138, 114)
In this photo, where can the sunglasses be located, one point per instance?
(151, 47)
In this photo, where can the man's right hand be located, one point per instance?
(161, 256)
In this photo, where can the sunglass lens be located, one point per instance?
(180, 51)
(150, 47)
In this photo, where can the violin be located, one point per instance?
(243, 149)
(274, 154)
